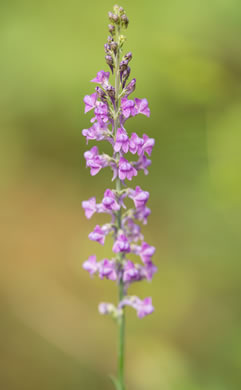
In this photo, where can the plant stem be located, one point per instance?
(121, 348)
(121, 322)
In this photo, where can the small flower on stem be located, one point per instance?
(91, 265)
(122, 141)
(128, 107)
(121, 244)
(126, 170)
(131, 273)
(102, 78)
(141, 106)
(142, 164)
(98, 235)
(90, 101)
(142, 214)
(139, 197)
(135, 144)
(146, 252)
(107, 269)
(143, 308)
(148, 144)
(109, 201)
(89, 206)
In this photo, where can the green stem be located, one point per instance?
(121, 341)
(121, 346)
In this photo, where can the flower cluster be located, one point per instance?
(112, 107)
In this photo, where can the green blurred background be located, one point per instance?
(187, 61)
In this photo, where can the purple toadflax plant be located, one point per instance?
(112, 107)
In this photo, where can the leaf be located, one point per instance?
(115, 382)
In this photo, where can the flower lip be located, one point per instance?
(109, 201)
(143, 307)
(122, 141)
(98, 235)
(121, 244)
(90, 102)
(102, 78)
(139, 197)
(91, 265)
(89, 206)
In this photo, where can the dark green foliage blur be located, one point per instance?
(187, 62)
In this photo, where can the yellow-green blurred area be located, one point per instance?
(187, 62)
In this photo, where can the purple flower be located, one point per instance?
(109, 201)
(91, 265)
(107, 269)
(139, 197)
(126, 170)
(122, 141)
(148, 270)
(89, 206)
(135, 144)
(131, 273)
(128, 107)
(148, 144)
(90, 102)
(96, 132)
(102, 78)
(101, 112)
(141, 106)
(98, 235)
(146, 252)
(142, 214)
(105, 308)
(95, 161)
(109, 308)
(96, 165)
(142, 164)
(121, 244)
(91, 154)
(143, 308)
(133, 230)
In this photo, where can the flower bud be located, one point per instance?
(116, 8)
(128, 57)
(110, 62)
(111, 28)
(114, 47)
(121, 10)
(122, 39)
(125, 75)
(111, 91)
(108, 308)
(130, 87)
(123, 65)
(107, 48)
(101, 94)
(115, 18)
(110, 15)
(124, 20)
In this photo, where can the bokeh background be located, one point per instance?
(187, 61)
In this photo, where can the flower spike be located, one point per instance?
(112, 108)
